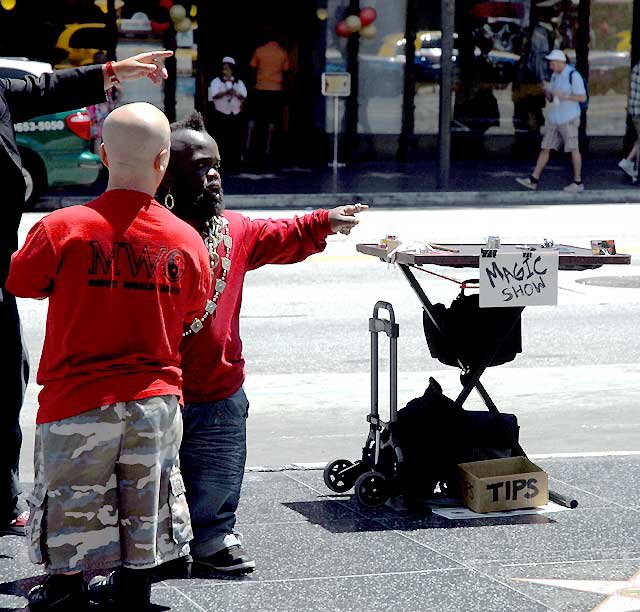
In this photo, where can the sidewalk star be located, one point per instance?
(623, 596)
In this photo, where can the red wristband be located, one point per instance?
(111, 73)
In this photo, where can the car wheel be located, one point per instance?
(34, 177)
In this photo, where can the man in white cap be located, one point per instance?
(566, 90)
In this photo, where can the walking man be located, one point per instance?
(213, 450)
(565, 91)
(124, 278)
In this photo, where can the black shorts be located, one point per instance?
(266, 106)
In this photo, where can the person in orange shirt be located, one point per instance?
(271, 63)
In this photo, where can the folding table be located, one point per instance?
(468, 256)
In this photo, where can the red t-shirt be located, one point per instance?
(212, 362)
(124, 277)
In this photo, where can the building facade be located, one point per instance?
(493, 100)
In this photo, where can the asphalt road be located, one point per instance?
(305, 331)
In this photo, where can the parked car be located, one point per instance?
(55, 149)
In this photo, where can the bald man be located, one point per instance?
(125, 278)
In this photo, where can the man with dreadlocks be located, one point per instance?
(213, 450)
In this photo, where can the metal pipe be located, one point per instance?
(446, 86)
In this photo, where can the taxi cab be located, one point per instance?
(55, 149)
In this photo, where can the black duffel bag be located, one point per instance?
(471, 334)
(435, 435)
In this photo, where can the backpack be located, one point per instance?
(583, 105)
(436, 434)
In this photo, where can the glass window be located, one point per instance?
(381, 65)
(609, 66)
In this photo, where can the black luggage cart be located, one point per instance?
(374, 477)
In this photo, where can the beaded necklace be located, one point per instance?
(216, 231)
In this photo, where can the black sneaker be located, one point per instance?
(121, 589)
(233, 560)
(59, 593)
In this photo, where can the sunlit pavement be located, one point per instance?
(319, 551)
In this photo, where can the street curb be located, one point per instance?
(432, 199)
(408, 199)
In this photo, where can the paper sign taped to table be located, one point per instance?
(529, 278)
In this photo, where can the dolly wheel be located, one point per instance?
(333, 475)
(372, 489)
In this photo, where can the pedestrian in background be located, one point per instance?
(124, 278)
(565, 91)
(630, 163)
(226, 96)
(20, 100)
(271, 63)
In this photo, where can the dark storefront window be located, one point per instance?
(381, 65)
(609, 66)
(499, 62)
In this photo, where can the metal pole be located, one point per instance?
(351, 104)
(582, 58)
(635, 44)
(336, 124)
(630, 135)
(409, 89)
(112, 27)
(446, 85)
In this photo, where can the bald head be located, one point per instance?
(136, 144)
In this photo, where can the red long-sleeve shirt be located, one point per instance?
(124, 277)
(213, 365)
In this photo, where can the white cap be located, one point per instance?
(228, 60)
(556, 55)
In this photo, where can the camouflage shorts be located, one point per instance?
(108, 489)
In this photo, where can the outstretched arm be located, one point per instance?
(61, 90)
(285, 241)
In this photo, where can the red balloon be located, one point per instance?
(342, 29)
(159, 28)
(166, 4)
(368, 15)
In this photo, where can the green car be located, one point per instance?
(55, 149)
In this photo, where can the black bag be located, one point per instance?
(435, 435)
(471, 334)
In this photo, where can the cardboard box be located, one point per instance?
(502, 484)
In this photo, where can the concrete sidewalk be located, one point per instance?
(390, 184)
(320, 551)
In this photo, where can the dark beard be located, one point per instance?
(208, 203)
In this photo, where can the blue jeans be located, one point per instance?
(212, 460)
